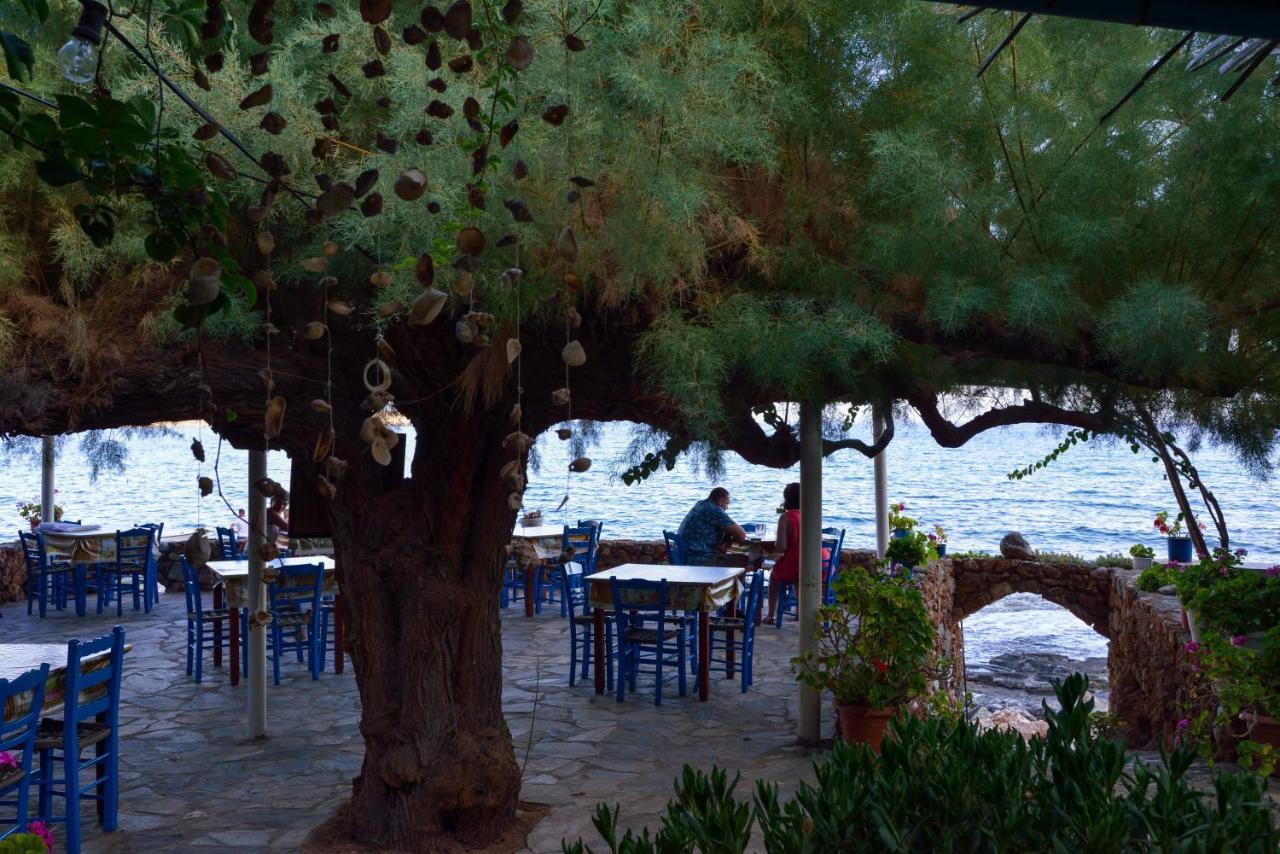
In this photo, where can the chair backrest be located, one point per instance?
(583, 541)
(20, 732)
(592, 523)
(93, 679)
(158, 527)
(298, 586)
(832, 543)
(191, 587)
(136, 547)
(33, 551)
(751, 604)
(574, 590)
(675, 547)
(227, 543)
(632, 598)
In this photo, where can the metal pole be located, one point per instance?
(47, 502)
(257, 639)
(881, 462)
(810, 558)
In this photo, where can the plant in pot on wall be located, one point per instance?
(938, 539)
(874, 648)
(909, 551)
(1142, 556)
(1199, 584)
(30, 511)
(1245, 674)
(1179, 544)
(899, 522)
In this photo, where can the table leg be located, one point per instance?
(529, 570)
(339, 631)
(233, 643)
(704, 655)
(600, 653)
(81, 575)
(218, 604)
(731, 610)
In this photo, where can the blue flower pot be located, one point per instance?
(899, 533)
(942, 549)
(1180, 549)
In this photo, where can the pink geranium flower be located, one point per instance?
(7, 760)
(1191, 647)
(39, 828)
(1238, 640)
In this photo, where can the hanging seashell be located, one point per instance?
(220, 166)
(482, 340)
(464, 331)
(427, 307)
(519, 441)
(270, 574)
(270, 329)
(380, 379)
(264, 281)
(391, 437)
(268, 551)
(511, 469)
(328, 282)
(564, 434)
(197, 549)
(268, 487)
(324, 445)
(572, 280)
(381, 453)
(268, 381)
(515, 501)
(481, 318)
(339, 308)
(411, 184)
(263, 618)
(511, 275)
(197, 449)
(464, 284)
(567, 245)
(325, 487)
(203, 281)
(470, 241)
(581, 464)
(316, 264)
(321, 406)
(385, 350)
(205, 484)
(513, 349)
(314, 331)
(266, 242)
(560, 397)
(390, 308)
(520, 53)
(330, 248)
(517, 412)
(573, 354)
(369, 429)
(575, 319)
(376, 401)
(335, 469)
(380, 279)
(273, 419)
(424, 269)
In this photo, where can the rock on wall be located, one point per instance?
(937, 584)
(13, 573)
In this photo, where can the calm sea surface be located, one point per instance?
(1093, 500)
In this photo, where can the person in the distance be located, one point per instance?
(707, 526)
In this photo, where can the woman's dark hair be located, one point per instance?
(791, 496)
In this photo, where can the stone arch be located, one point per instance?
(1082, 590)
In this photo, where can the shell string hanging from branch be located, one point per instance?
(330, 468)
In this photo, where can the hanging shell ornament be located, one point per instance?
(517, 412)
(270, 329)
(464, 331)
(464, 284)
(560, 397)
(511, 469)
(268, 487)
(330, 248)
(204, 281)
(427, 306)
(564, 434)
(380, 279)
(205, 485)
(320, 405)
(335, 469)
(197, 450)
(515, 501)
(385, 350)
(315, 264)
(581, 464)
(220, 166)
(197, 548)
(513, 349)
(380, 378)
(520, 53)
(381, 453)
(567, 245)
(325, 487)
(575, 319)
(510, 276)
(339, 308)
(268, 551)
(269, 575)
(411, 184)
(266, 242)
(387, 309)
(376, 401)
(470, 241)
(324, 445)
(314, 331)
(573, 354)
(264, 281)
(369, 429)
(273, 420)
(519, 441)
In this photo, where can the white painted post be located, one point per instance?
(881, 463)
(257, 639)
(47, 502)
(810, 591)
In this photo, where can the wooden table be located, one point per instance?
(17, 658)
(533, 547)
(233, 582)
(689, 588)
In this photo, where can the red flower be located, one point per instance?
(879, 665)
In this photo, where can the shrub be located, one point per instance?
(942, 785)
(1060, 557)
(1114, 559)
(1151, 580)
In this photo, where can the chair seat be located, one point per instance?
(730, 624)
(649, 635)
(49, 733)
(292, 618)
(12, 777)
(209, 616)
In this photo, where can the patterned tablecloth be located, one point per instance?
(89, 544)
(234, 576)
(689, 588)
(18, 658)
(537, 545)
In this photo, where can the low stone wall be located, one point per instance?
(13, 573)
(1085, 591)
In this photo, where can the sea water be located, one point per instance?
(1095, 499)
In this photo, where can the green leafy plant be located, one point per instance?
(1140, 550)
(912, 550)
(944, 785)
(24, 843)
(1240, 679)
(1114, 559)
(899, 520)
(1156, 576)
(1060, 557)
(874, 643)
(30, 511)
(1228, 598)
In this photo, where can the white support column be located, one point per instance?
(257, 639)
(810, 587)
(47, 500)
(881, 463)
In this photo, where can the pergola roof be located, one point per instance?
(1230, 17)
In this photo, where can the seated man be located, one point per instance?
(706, 526)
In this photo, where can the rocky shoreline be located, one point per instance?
(1010, 690)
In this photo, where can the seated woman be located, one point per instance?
(787, 568)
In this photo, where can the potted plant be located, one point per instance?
(909, 551)
(1246, 680)
(1179, 544)
(899, 522)
(30, 511)
(874, 645)
(938, 539)
(1142, 556)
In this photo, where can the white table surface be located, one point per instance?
(538, 532)
(226, 569)
(673, 573)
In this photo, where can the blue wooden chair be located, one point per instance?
(744, 628)
(18, 736)
(228, 546)
(579, 545)
(200, 622)
(296, 616)
(582, 625)
(648, 639)
(91, 718)
(134, 571)
(46, 579)
(512, 582)
(832, 543)
(675, 548)
(158, 527)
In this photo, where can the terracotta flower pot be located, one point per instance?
(863, 723)
(1266, 730)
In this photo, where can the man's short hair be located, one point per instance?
(719, 494)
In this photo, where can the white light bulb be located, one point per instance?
(78, 60)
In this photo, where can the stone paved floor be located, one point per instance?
(192, 780)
